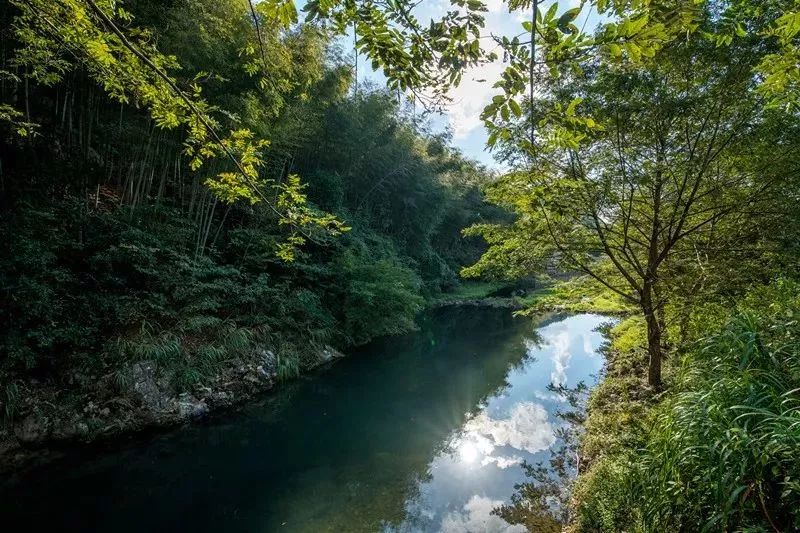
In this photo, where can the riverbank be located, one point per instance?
(617, 413)
(480, 294)
(101, 407)
(51, 417)
(574, 295)
(422, 432)
(498, 294)
(142, 397)
(717, 448)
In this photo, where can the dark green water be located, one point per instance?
(419, 433)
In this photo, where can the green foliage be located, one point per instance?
(54, 37)
(577, 295)
(382, 297)
(631, 199)
(604, 495)
(720, 453)
(9, 400)
(119, 248)
(474, 290)
(288, 367)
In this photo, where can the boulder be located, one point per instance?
(221, 398)
(189, 406)
(267, 363)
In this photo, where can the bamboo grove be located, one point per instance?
(186, 181)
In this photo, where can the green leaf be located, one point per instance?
(572, 106)
(551, 12)
(566, 19)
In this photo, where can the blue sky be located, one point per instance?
(469, 98)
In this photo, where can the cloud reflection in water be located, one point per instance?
(476, 515)
(527, 428)
(480, 463)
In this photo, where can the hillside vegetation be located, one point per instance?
(126, 241)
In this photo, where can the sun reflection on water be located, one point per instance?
(468, 451)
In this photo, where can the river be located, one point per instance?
(424, 432)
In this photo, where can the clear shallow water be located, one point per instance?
(420, 433)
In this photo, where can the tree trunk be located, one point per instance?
(654, 334)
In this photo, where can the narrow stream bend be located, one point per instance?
(420, 433)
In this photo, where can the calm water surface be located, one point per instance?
(420, 433)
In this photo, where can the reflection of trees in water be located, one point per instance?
(542, 504)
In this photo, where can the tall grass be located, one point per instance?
(186, 355)
(722, 451)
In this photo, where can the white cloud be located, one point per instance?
(495, 6)
(476, 516)
(561, 358)
(502, 462)
(527, 428)
(549, 397)
(588, 349)
(471, 96)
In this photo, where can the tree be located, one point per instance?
(669, 158)
(645, 169)
(100, 36)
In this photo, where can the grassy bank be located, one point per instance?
(713, 450)
(483, 293)
(471, 290)
(545, 295)
(576, 295)
(717, 450)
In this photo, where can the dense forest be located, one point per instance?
(193, 184)
(121, 259)
(117, 250)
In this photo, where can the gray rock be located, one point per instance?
(221, 397)
(267, 363)
(329, 353)
(190, 407)
(154, 392)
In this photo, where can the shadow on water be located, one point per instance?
(347, 449)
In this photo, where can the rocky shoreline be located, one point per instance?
(52, 420)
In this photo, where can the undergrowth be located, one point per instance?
(718, 451)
